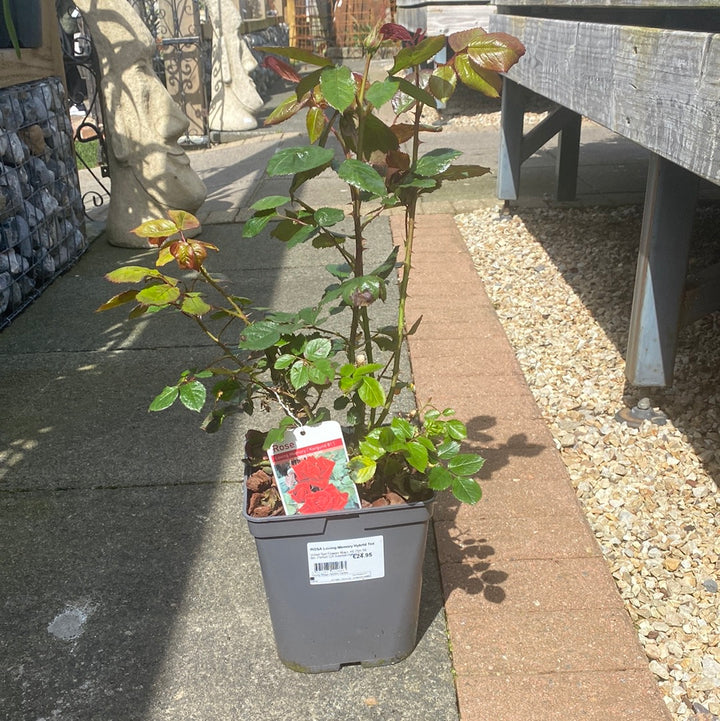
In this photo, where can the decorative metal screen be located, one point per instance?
(41, 211)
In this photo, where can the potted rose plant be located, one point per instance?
(342, 585)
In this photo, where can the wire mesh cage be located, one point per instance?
(41, 211)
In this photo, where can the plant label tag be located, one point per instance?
(352, 559)
(310, 466)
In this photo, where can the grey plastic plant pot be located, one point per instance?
(343, 587)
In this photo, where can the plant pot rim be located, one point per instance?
(354, 512)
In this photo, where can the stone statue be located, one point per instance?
(150, 173)
(234, 96)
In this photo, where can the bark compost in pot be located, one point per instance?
(343, 587)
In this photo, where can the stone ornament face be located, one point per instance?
(234, 96)
(150, 173)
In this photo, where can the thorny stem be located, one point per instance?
(410, 213)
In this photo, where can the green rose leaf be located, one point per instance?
(317, 348)
(416, 455)
(338, 87)
(463, 172)
(259, 336)
(379, 136)
(466, 490)
(380, 92)
(486, 81)
(448, 449)
(435, 162)
(164, 399)
(321, 371)
(440, 478)
(271, 202)
(284, 361)
(362, 176)
(402, 428)
(465, 464)
(442, 83)
(325, 217)
(254, 225)
(314, 123)
(193, 304)
(416, 93)
(299, 375)
(370, 448)
(363, 469)
(418, 54)
(192, 395)
(456, 429)
(371, 392)
(132, 274)
(161, 294)
(288, 161)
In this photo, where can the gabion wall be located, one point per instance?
(41, 210)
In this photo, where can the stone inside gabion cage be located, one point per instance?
(41, 210)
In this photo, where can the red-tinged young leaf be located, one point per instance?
(127, 296)
(403, 131)
(157, 228)
(460, 40)
(486, 81)
(281, 68)
(303, 56)
(393, 31)
(184, 254)
(184, 220)
(315, 123)
(285, 110)
(496, 51)
(132, 274)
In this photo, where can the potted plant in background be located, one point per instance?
(343, 583)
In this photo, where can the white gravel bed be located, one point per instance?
(561, 282)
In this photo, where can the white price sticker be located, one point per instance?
(352, 559)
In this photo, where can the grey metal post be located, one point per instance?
(511, 139)
(670, 200)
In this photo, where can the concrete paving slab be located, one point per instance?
(147, 604)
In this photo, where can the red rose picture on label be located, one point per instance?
(310, 469)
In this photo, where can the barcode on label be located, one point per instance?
(331, 566)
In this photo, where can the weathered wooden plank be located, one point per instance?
(659, 88)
